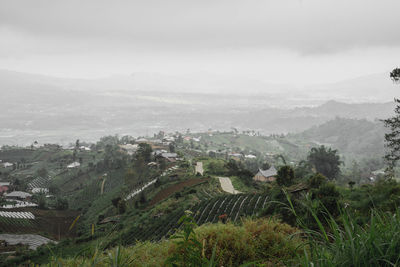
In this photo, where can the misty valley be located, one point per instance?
(199, 133)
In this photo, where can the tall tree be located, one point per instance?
(395, 75)
(325, 161)
(392, 139)
(285, 175)
(144, 152)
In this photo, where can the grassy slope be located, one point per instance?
(264, 240)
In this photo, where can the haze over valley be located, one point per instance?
(199, 133)
(47, 109)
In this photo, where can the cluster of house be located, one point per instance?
(168, 156)
(81, 148)
(19, 195)
(129, 149)
(21, 198)
(195, 139)
(164, 140)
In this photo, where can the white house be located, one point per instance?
(74, 165)
(7, 164)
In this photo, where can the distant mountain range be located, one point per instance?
(48, 109)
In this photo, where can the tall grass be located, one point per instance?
(342, 242)
(256, 242)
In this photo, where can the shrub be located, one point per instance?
(265, 241)
(262, 240)
(61, 203)
(316, 180)
(285, 176)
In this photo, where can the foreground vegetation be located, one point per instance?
(262, 242)
(316, 213)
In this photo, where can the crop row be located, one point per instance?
(39, 182)
(17, 214)
(155, 229)
(13, 225)
(86, 195)
(232, 207)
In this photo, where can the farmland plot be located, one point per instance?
(206, 211)
(39, 182)
(233, 206)
(33, 241)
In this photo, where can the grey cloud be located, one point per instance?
(309, 26)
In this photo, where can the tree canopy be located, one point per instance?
(285, 176)
(395, 75)
(325, 161)
(392, 138)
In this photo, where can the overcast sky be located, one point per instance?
(285, 41)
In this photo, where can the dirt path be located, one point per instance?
(227, 186)
(199, 168)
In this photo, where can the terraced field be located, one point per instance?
(165, 193)
(31, 220)
(32, 241)
(233, 207)
(17, 214)
(16, 225)
(140, 189)
(161, 227)
(39, 182)
(207, 211)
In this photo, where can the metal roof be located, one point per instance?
(268, 173)
(18, 194)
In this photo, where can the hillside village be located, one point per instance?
(199, 133)
(81, 193)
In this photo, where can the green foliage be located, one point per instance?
(238, 169)
(392, 138)
(42, 172)
(351, 184)
(142, 198)
(216, 167)
(329, 196)
(343, 242)
(302, 170)
(138, 173)
(251, 244)
(285, 176)
(316, 180)
(144, 152)
(41, 200)
(265, 165)
(383, 196)
(188, 251)
(325, 161)
(61, 203)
